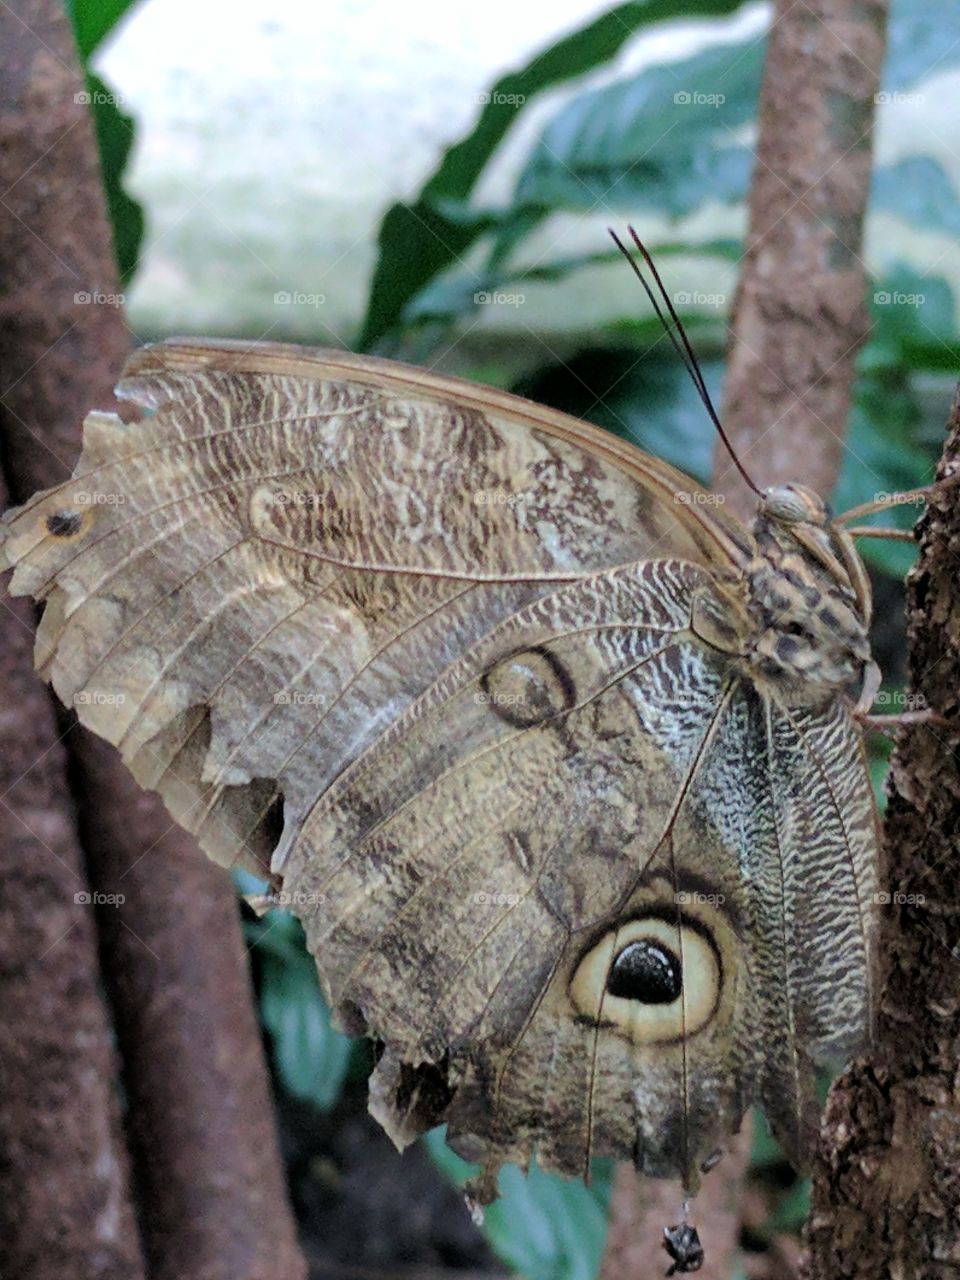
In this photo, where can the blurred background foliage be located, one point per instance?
(671, 140)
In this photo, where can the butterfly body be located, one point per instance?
(555, 761)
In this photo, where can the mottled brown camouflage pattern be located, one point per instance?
(492, 698)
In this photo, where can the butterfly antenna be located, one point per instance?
(684, 350)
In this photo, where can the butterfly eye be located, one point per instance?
(528, 687)
(654, 979)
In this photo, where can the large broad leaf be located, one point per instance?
(918, 190)
(115, 132)
(311, 1057)
(646, 396)
(667, 139)
(923, 39)
(543, 1226)
(418, 238)
(452, 295)
(662, 140)
(93, 20)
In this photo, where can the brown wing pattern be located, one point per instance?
(425, 650)
(283, 549)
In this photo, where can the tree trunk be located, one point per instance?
(210, 1194)
(886, 1198)
(800, 315)
(798, 319)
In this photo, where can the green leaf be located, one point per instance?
(879, 751)
(793, 1210)
(419, 238)
(879, 459)
(764, 1148)
(660, 140)
(115, 132)
(93, 20)
(647, 398)
(451, 296)
(907, 309)
(311, 1057)
(923, 38)
(416, 241)
(919, 190)
(543, 1226)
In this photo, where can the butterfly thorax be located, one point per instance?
(803, 602)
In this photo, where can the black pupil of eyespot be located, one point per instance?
(64, 523)
(647, 971)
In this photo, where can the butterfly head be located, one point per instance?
(808, 599)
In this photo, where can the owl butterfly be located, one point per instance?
(556, 761)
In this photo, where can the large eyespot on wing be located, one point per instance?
(655, 979)
(528, 687)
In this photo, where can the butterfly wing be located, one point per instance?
(283, 540)
(426, 650)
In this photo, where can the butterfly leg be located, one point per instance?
(922, 494)
(888, 724)
(874, 531)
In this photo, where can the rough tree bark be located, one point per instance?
(799, 315)
(798, 319)
(65, 1206)
(886, 1198)
(210, 1193)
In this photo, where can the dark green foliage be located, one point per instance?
(92, 21)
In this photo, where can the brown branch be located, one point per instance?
(641, 1207)
(886, 1196)
(65, 1208)
(798, 320)
(799, 315)
(211, 1196)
